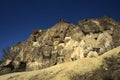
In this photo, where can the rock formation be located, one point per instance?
(64, 42)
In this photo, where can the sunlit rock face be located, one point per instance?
(65, 42)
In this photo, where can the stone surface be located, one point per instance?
(65, 42)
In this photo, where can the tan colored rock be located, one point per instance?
(92, 54)
(36, 44)
(33, 66)
(64, 41)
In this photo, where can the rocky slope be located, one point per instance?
(63, 42)
(105, 67)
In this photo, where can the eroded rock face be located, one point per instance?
(66, 42)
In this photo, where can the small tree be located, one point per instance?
(6, 52)
(9, 54)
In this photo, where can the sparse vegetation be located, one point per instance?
(110, 70)
(9, 54)
(6, 52)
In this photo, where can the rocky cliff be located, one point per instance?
(63, 42)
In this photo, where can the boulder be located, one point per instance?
(92, 54)
(33, 66)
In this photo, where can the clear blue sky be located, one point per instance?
(18, 18)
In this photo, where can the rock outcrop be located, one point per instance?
(105, 67)
(65, 42)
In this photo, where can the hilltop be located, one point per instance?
(65, 49)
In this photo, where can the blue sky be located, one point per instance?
(18, 18)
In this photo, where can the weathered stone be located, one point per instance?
(16, 64)
(79, 50)
(92, 54)
(33, 66)
(36, 44)
(66, 42)
(77, 36)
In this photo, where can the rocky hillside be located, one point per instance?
(105, 67)
(63, 42)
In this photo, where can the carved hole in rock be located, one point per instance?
(85, 33)
(98, 31)
(96, 49)
(61, 41)
(61, 31)
(57, 37)
(73, 59)
(34, 38)
(95, 38)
